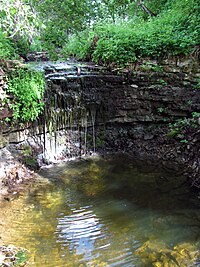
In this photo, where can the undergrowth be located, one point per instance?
(27, 88)
(174, 31)
(183, 126)
(6, 49)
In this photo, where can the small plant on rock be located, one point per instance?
(11, 256)
(181, 126)
(27, 88)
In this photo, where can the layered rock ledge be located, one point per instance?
(150, 111)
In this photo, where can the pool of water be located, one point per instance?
(105, 212)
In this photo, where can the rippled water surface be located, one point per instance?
(99, 212)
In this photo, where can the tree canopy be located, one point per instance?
(126, 29)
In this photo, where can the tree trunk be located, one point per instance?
(148, 11)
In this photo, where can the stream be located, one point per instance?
(104, 212)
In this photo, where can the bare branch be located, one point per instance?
(146, 9)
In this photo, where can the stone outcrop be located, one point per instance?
(150, 111)
(135, 111)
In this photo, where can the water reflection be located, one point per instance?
(106, 213)
(79, 231)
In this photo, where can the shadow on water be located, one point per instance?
(108, 212)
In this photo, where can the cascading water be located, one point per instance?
(74, 107)
(70, 107)
(93, 116)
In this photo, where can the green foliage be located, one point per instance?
(20, 23)
(195, 114)
(12, 256)
(114, 45)
(21, 258)
(80, 45)
(197, 86)
(61, 18)
(27, 88)
(6, 49)
(21, 46)
(183, 125)
(185, 141)
(148, 66)
(162, 82)
(174, 31)
(30, 162)
(161, 109)
(18, 19)
(125, 31)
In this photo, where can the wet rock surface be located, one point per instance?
(171, 154)
(91, 109)
(145, 113)
(14, 176)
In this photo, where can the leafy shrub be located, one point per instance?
(79, 45)
(21, 46)
(6, 49)
(20, 23)
(27, 88)
(174, 31)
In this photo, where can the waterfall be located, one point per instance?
(93, 117)
(70, 111)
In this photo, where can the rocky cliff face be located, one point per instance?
(151, 111)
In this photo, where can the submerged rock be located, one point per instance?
(158, 254)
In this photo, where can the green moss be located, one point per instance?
(30, 162)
